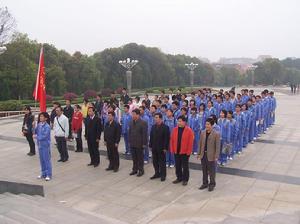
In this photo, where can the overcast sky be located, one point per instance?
(202, 28)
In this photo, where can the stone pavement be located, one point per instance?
(260, 186)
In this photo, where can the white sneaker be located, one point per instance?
(230, 158)
(47, 178)
(195, 153)
(39, 177)
(146, 162)
(172, 166)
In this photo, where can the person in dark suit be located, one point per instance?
(68, 112)
(138, 140)
(112, 135)
(27, 129)
(159, 143)
(209, 154)
(93, 135)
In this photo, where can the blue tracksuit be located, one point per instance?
(194, 124)
(219, 107)
(232, 136)
(252, 118)
(202, 119)
(125, 121)
(241, 126)
(247, 123)
(210, 111)
(227, 105)
(245, 99)
(43, 137)
(223, 123)
(176, 113)
(233, 103)
(259, 116)
(273, 108)
(170, 122)
(149, 122)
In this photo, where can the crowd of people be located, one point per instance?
(215, 127)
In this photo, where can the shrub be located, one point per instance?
(49, 98)
(70, 96)
(90, 94)
(106, 92)
(10, 105)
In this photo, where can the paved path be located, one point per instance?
(261, 186)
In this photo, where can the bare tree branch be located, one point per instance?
(7, 25)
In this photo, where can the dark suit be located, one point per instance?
(92, 134)
(112, 135)
(68, 112)
(159, 141)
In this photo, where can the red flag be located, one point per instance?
(39, 92)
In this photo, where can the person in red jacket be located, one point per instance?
(77, 127)
(181, 144)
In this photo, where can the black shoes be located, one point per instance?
(211, 188)
(203, 186)
(162, 179)
(184, 183)
(133, 173)
(108, 169)
(30, 154)
(176, 181)
(154, 177)
(60, 160)
(116, 170)
(140, 173)
(95, 165)
(90, 164)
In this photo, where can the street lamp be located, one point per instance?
(252, 69)
(128, 64)
(2, 49)
(191, 67)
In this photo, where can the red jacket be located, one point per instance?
(186, 141)
(77, 121)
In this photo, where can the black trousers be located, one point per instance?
(113, 156)
(159, 162)
(93, 148)
(70, 129)
(62, 148)
(138, 159)
(78, 138)
(182, 167)
(208, 168)
(31, 142)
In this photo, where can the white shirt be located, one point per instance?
(64, 123)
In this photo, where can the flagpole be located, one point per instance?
(38, 77)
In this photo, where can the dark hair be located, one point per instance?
(238, 105)
(184, 109)
(112, 113)
(246, 106)
(159, 115)
(154, 106)
(203, 105)
(175, 103)
(230, 112)
(183, 118)
(137, 98)
(210, 120)
(46, 115)
(164, 106)
(214, 117)
(56, 103)
(99, 95)
(194, 108)
(77, 106)
(59, 107)
(224, 112)
(170, 110)
(112, 106)
(85, 100)
(212, 104)
(93, 108)
(136, 111)
(143, 107)
(27, 108)
(127, 106)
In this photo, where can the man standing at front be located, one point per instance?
(159, 143)
(61, 133)
(138, 139)
(209, 154)
(112, 135)
(93, 135)
(181, 144)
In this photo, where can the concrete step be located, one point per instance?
(42, 211)
(7, 220)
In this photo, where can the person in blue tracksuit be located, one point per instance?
(265, 103)
(245, 96)
(145, 118)
(231, 141)
(273, 107)
(227, 103)
(194, 124)
(43, 137)
(219, 105)
(170, 122)
(223, 123)
(125, 121)
(247, 123)
(238, 116)
(216, 127)
(202, 116)
(163, 110)
(259, 116)
(232, 100)
(252, 120)
(176, 109)
(210, 110)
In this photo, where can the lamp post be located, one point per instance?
(191, 67)
(2, 49)
(252, 69)
(128, 64)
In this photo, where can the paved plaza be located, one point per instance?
(262, 185)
